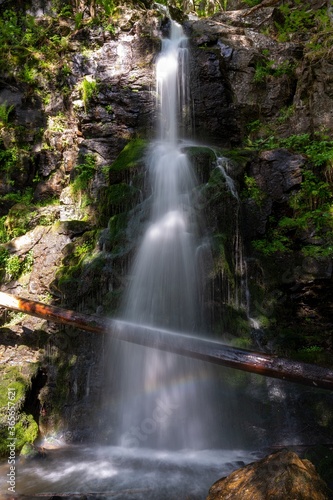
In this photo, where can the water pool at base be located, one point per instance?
(118, 473)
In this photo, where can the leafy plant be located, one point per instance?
(252, 190)
(312, 213)
(299, 18)
(29, 74)
(273, 243)
(27, 263)
(252, 3)
(89, 89)
(78, 19)
(9, 159)
(84, 172)
(5, 111)
(108, 6)
(319, 149)
(268, 68)
(13, 267)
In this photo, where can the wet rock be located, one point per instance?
(226, 50)
(279, 476)
(52, 187)
(277, 172)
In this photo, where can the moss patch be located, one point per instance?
(13, 388)
(132, 153)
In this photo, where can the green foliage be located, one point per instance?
(12, 266)
(11, 377)
(252, 3)
(78, 18)
(28, 74)
(285, 113)
(86, 248)
(108, 6)
(5, 111)
(252, 190)
(314, 193)
(299, 18)
(4, 256)
(24, 197)
(28, 261)
(79, 254)
(66, 11)
(121, 197)
(31, 51)
(89, 90)
(312, 211)
(26, 428)
(83, 173)
(57, 123)
(18, 220)
(268, 69)
(273, 243)
(110, 28)
(117, 231)
(319, 149)
(4, 237)
(9, 159)
(10, 29)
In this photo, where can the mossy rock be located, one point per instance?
(72, 227)
(130, 156)
(13, 388)
(18, 220)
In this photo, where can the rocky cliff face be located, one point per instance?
(73, 190)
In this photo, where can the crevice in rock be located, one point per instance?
(32, 404)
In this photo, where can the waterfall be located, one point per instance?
(163, 397)
(170, 426)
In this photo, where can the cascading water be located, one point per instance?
(160, 405)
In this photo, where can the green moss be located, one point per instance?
(78, 255)
(26, 430)
(121, 197)
(83, 173)
(61, 391)
(18, 220)
(129, 157)
(13, 387)
(12, 377)
(194, 151)
(117, 231)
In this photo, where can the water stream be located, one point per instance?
(156, 389)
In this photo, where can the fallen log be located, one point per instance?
(185, 345)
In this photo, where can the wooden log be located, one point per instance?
(185, 345)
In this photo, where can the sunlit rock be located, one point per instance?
(279, 476)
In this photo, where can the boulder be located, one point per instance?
(279, 476)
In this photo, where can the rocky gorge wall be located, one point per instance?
(75, 123)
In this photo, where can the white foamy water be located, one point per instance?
(164, 401)
(121, 473)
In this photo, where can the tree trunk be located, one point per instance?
(185, 345)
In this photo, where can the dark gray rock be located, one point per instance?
(277, 173)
